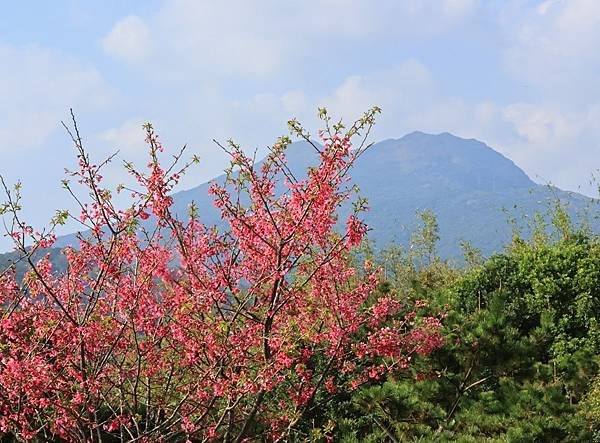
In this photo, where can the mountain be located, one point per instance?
(470, 187)
(467, 184)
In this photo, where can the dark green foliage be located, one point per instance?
(591, 408)
(522, 346)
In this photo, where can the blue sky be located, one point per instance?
(521, 75)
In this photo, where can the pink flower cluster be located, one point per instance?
(180, 331)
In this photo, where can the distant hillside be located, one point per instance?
(14, 260)
(466, 183)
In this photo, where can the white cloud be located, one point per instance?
(189, 38)
(431, 16)
(37, 88)
(554, 144)
(295, 102)
(127, 138)
(396, 90)
(258, 39)
(129, 40)
(459, 8)
(554, 49)
(541, 125)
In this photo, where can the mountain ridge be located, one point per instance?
(465, 182)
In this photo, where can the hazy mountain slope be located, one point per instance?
(465, 182)
(13, 259)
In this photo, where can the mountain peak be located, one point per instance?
(462, 163)
(464, 181)
(443, 137)
(428, 135)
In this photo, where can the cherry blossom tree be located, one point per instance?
(164, 329)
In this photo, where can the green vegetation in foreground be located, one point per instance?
(522, 346)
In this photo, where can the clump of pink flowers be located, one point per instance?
(172, 330)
